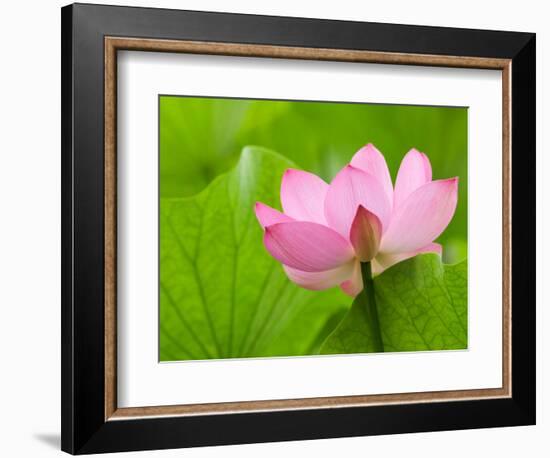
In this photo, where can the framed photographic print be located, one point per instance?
(282, 228)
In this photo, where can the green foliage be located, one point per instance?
(200, 138)
(221, 294)
(422, 305)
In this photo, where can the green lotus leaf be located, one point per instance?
(221, 294)
(422, 305)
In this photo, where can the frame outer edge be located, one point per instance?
(67, 190)
(83, 369)
(524, 236)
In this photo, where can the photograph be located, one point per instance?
(307, 228)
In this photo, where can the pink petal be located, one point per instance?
(365, 234)
(422, 217)
(430, 248)
(387, 260)
(320, 280)
(354, 285)
(350, 188)
(415, 170)
(268, 216)
(376, 267)
(307, 246)
(303, 196)
(370, 160)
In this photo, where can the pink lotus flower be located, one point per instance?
(326, 231)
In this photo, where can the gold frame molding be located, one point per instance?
(114, 44)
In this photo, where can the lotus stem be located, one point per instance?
(371, 309)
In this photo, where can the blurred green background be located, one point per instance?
(201, 138)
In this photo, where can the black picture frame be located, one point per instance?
(84, 427)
